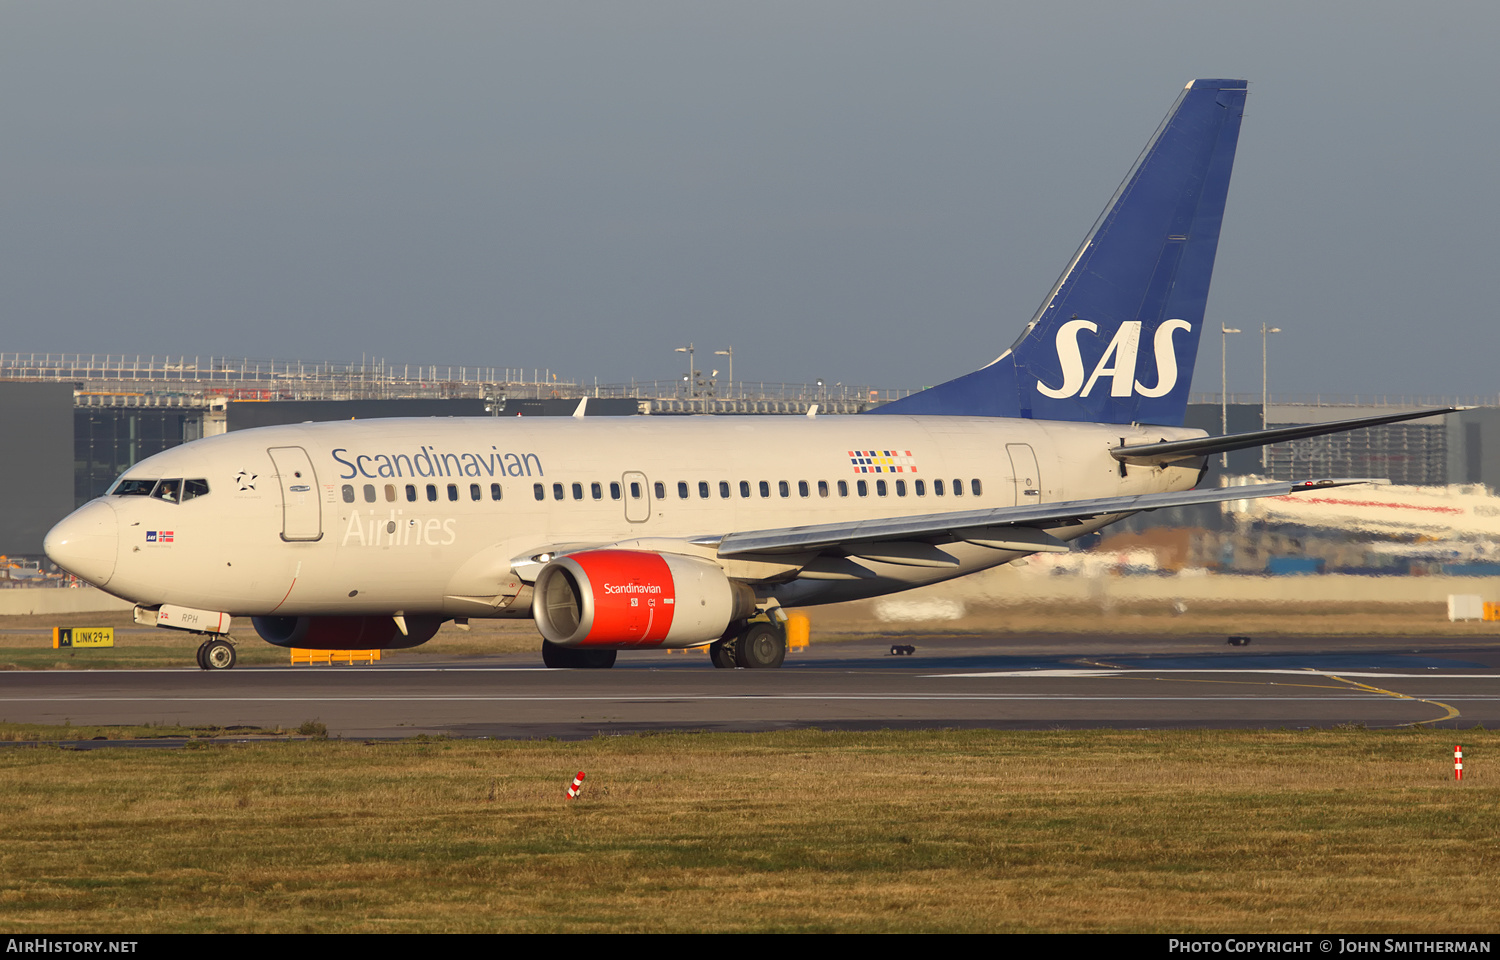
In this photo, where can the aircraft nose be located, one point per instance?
(86, 542)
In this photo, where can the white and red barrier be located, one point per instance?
(577, 785)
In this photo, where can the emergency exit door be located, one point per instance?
(637, 497)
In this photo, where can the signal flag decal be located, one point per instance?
(883, 461)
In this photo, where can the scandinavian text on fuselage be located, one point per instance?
(431, 463)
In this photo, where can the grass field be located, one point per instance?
(1338, 830)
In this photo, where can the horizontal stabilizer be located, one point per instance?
(1172, 451)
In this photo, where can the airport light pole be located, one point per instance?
(1265, 333)
(730, 354)
(1224, 333)
(689, 381)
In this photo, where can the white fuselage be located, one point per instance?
(400, 515)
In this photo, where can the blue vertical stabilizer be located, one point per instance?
(1116, 338)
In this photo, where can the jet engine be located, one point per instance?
(346, 633)
(626, 598)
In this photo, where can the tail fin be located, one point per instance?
(1116, 338)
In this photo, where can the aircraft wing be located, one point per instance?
(1019, 519)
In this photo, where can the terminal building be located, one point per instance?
(73, 423)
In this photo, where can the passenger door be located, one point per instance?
(301, 513)
(1028, 475)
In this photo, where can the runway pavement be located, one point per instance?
(1041, 683)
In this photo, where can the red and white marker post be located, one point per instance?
(577, 785)
(1458, 761)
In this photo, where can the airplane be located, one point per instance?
(668, 532)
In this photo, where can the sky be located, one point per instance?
(864, 192)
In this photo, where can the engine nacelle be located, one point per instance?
(346, 633)
(635, 598)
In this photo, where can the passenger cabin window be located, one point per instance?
(348, 493)
(596, 491)
(921, 487)
(390, 493)
(494, 491)
(822, 488)
(539, 491)
(880, 488)
(900, 488)
(635, 490)
(682, 489)
(452, 492)
(862, 487)
(557, 491)
(937, 487)
(577, 491)
(843, 488)
(703, 489)
(802, 488)
(369, 493)
(661, 490)
(724, 489)
(765, 488)
(411, 493)
(975, 488)
(783, 489)
(432, 493)
(958, 488)
(614, 491)
(745, 488)
(475, 493)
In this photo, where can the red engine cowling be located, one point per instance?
(634, 598)
(345, 633)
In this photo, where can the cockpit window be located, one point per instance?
(133, 488)
(171, 490)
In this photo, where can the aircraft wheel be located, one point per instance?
(202, 649)
(721, 652)
(218, 655)
(571, 658)
(762, 646)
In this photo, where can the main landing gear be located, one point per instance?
(576, 658)
(216, 653)
(753, 645)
